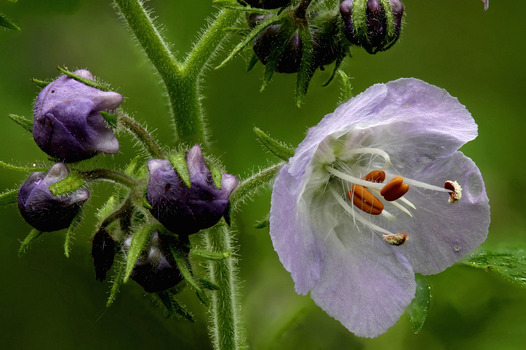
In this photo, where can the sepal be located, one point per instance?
(22, 121)
(276, 147)
(30, 238)
(8, 197)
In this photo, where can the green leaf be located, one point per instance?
(209, 255)
(117, 281)
(6, 23)
(418, 308)
(111, 119)
(40, 83)
(510, 264)
(306, 71)
(69, 233)
(9, 197)
(70, 183)
(181, 168)
(84, 81)
(30, 238)
(139, 240)
(22, 121)
(34, 168)
(278, 148)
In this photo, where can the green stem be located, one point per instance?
(225, 321)
(142, 135)
(110, 175)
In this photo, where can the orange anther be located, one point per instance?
(365, 200)
(394, 189)
(375, 176)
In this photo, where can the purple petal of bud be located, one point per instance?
(44, 211)
(185, 210)
(68, 124)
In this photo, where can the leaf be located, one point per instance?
(9, 197)
(6, 23)
(30, 238)
(278, 148)
(22, 121)
(70, 183)
(418, 308)
(510, 264)
(139, 240)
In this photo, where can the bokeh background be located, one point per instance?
(50, 302)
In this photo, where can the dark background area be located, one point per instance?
(50, 302)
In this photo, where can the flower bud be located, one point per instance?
(290, 59)
(186, 209)
(41, 209)
(266, 4)
(155, 270)
(103, 253)
(367, 23)
(68, 124)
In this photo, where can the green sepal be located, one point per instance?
(241, 45)
(182, 265)
(208, 284)
(510, 264)
(390, 37)
(30, 238)
(277, 148)
(178, 161)
(263, 223)
(133, 167)
(20, 168)
(172, 305)
(22, 121)
(70, 183)
(418, 308)
(306, 70)
(145, 202)
(6, 23)
(40, 83)
(204, 254)
(234, 5)
(84, 81)
(69, 233)
(139, 240)
(217, 175)
(9, 197)
(359, 20)
(252, 62)
(107, 208)
(111, 119)
(282, 41)
(346, 86)
(117, 281)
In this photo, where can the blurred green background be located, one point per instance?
(50, 302)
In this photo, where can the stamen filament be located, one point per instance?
(402, 208)
(425, 185)
(408, 202)
(357, 216)
(352, 179)
(369, 150)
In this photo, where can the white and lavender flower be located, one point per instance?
(185, 210)
(68, 124)
(377, 192)
(44, 211)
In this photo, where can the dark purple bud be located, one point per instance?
(103, 253)
(185, 210)
(290, 59)
(68, 124)
(326, 41)
(253, 19)
(266, 4)
(155, 270)
(44, 211)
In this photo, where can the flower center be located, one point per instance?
(369, 192)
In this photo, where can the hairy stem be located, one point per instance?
(225, 322)
(110, 175)
(142, 135)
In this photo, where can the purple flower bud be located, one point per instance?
(41, 209)
(103, 253)
(185, 210)
(68, 124)
(290, 59)
(156, 269)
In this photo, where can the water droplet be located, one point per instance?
(457, 246)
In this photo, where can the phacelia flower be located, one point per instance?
(44, 211)
(156, 269)
(377, 192)
(68, 124)
(185, 210)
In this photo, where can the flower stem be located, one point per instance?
(110, 175)
(142, 135)
(225, 324)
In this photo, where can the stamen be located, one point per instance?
(357, 216)
(352, 179)
(456, 191)
(375, 176)
(398, 205)
(394, 189)
(402, 208)
(424, 185)
(365, 200)
(395, 239)
(408, 202)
